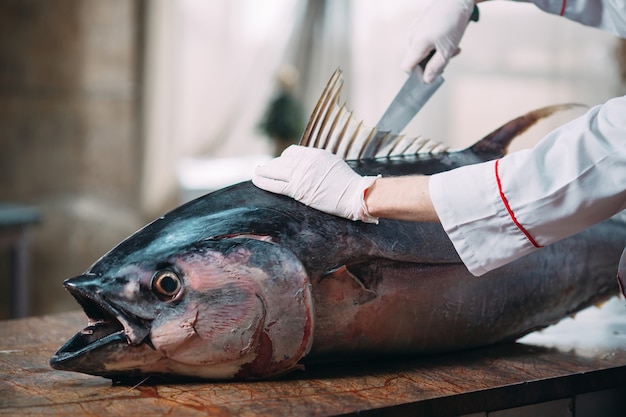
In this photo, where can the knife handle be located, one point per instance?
(473, 18)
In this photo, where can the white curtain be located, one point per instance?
(211, 68)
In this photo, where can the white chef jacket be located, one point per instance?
(609, 15)
(498, 211)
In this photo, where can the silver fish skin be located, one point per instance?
(245, 284)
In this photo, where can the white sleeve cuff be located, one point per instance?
(473, 215)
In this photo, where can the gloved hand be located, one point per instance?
(441, 27)
(319, 179)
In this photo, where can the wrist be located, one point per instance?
(401, 198)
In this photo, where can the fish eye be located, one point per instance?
(166, 284)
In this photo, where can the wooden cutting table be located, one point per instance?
(559, 367)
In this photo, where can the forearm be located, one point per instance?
(571, 180)
(401, 198)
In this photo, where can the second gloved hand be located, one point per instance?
(318, 179)
(441, 28)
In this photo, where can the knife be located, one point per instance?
(412, 96)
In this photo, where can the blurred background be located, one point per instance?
(114, 112)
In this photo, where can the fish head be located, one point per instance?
(219, 309)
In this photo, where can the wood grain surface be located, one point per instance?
(589, 356)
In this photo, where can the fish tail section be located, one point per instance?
(498, 141)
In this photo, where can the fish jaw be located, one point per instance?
(110, 332)
(245, 313)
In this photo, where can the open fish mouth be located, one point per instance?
(106, 325)
(103, 328)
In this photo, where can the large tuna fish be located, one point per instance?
(245, 284)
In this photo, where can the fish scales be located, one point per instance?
(246, 284)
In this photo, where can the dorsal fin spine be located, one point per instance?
(339, 142)
(333, 127)
(352, 140)
(321, 116)
(320, 107)
(329, 116)
(366, 143)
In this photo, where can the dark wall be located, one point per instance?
(70, 96)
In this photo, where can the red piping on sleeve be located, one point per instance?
(563, 8)
(508, 208)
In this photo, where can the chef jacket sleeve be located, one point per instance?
(609, 15)
(498, 211)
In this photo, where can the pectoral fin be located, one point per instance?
(341, 286)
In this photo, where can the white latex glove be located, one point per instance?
(441, 28)
(318, 179)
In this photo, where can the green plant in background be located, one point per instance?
(284, 122)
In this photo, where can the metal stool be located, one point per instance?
(16, 224)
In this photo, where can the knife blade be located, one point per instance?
(412, 96)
